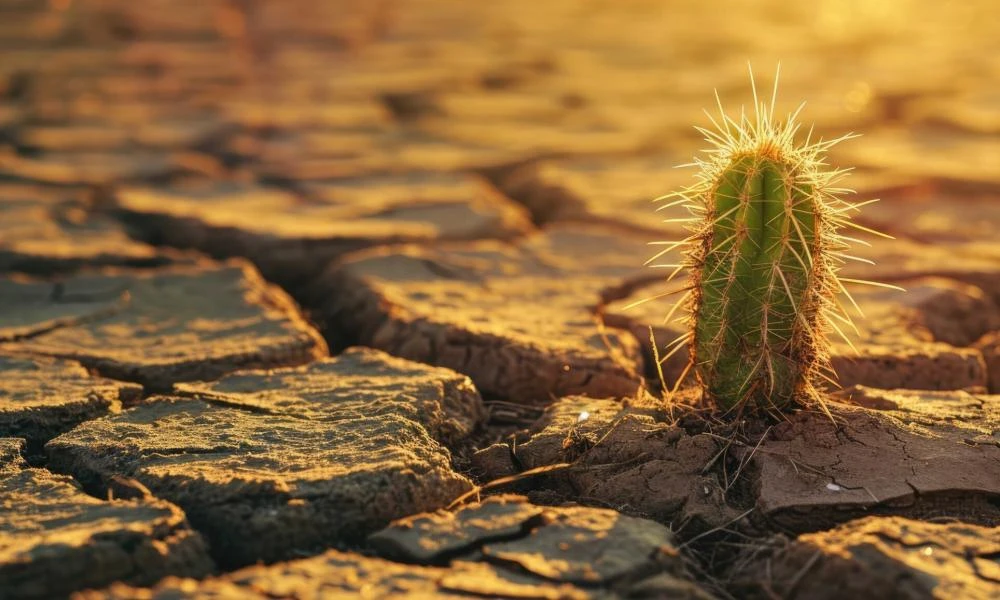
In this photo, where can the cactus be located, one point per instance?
(763, 262)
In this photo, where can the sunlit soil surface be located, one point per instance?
(203, 199)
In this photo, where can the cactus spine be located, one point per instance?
(763, 262)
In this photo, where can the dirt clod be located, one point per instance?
(921, 454)
(292, 235)
(56, 539)
(518, 319)
(41, 398)
(428, 538)
(629, 459)
(526, 552)
(358, 383)
(158, 327)
(12, 454)
(279, 463)
(618, 190)
(989, 345)
(49, 230)
(878, 557)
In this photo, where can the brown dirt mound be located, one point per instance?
(623, 457)
(919, 453)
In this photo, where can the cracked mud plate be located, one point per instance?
(158, 327)
(270, 465)
(517, 318)
(503, 547)
(41, 398)
(56, 539)
(878, 557)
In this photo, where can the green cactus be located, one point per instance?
(763, 260)
(755, 315)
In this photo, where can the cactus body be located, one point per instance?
(752, 340)
(763, 262)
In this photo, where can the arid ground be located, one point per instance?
(306, 299)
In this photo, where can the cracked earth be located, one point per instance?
(339, 300)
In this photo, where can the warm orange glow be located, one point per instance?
(296, 296)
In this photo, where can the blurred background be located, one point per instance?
(598, 96)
